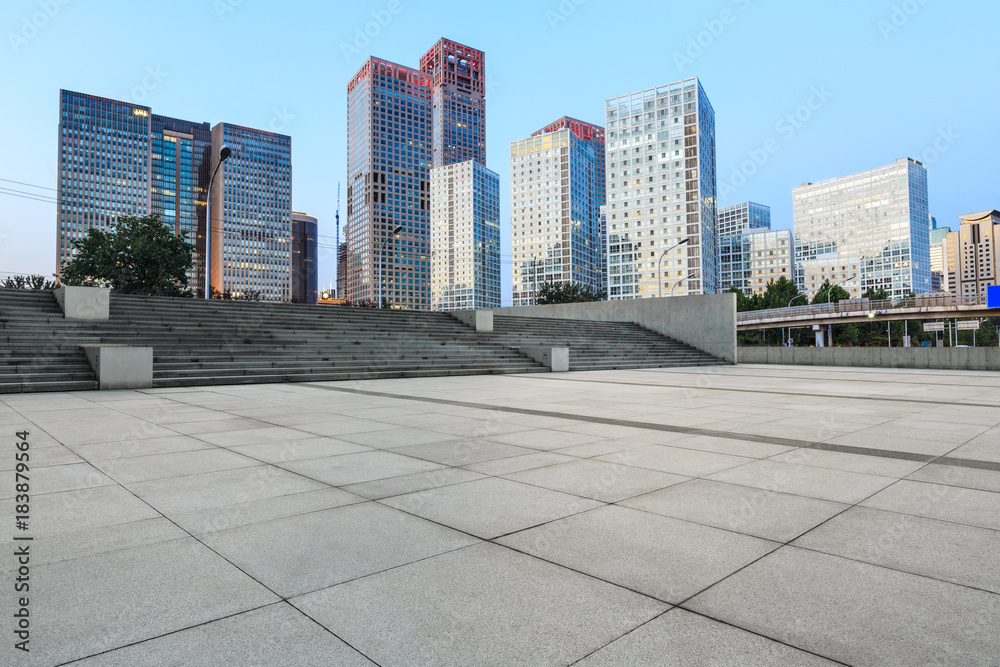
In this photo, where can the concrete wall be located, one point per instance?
(705, 322)
(955, 358)
(84, 303)
(120, 366)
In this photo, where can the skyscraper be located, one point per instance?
(251, 213)
(661, 183)
(305, 276)
(555, 202)
(744, 216)
(465, 237)
(118, 158)
(388, 171)
(179, 173)
(865, 231)
(458, 100)
(104, 166)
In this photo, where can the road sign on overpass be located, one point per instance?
(993, 296)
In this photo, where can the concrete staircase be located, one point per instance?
(595, 346)
(197, 342)
(39, 350)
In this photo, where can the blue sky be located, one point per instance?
(812, 90)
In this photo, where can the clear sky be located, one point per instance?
(864, 81)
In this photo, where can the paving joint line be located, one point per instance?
(687, 430)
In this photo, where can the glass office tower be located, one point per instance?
(458, 102)
(388, 183)
(661, 184)
(104, 166)
(555, 202)
(465, 237)
(251, 213)
(744, 216)
(179, 182)
(866, 231)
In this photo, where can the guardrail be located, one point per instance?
(862, 306)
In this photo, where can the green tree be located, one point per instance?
(831, 293)
(32, 282)
(139, 255)
(567, 292)
(778, 293)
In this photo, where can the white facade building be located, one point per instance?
(866, 231)
(753, 258)
(465, 237)
(661, 181)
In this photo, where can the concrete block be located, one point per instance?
(120, 366)
(479, 320)
(555, 358)
(84, 303)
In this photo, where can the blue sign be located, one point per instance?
(993, 296)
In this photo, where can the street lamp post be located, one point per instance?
(224, 153)
(659, 277)
(381, 252)
(829, 293)
(797, 296)
(689, 277)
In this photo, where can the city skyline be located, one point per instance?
(770, 137)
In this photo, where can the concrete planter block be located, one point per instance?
(84, 303)
(555, 358)
(479, 320)
(120, 366)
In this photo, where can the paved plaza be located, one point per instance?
(751, 515)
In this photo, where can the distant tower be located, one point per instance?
(341, 256)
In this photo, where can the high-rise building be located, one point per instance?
(661, 185)
(753, 258)
(104, 166)
(465, 237)
(458, 102)
(742, 217)
(251, 210)
(118, 158)
(179, 173)
(305, 275)
(865, 231)
(388, 172)
(555, 200)
(971, 254)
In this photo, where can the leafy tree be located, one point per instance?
(567, 292)
(831, 293)
(139, 255)
(33, 282)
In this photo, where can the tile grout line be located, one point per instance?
(688, 430)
